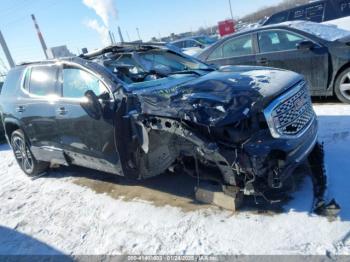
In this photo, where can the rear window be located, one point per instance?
(277, 18)
(43, 80)
(13, 80)
(314, 13)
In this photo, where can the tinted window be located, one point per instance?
(298, 14)
(240, 46)
(216, 54)
(315, 13)
(179, 44)
(274, 41)
(43, 80)
(76, 82)
(12, 82)
(345, 8)
(277, 18)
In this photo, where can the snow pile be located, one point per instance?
(329, 32)
(52, 215)
(343, 23)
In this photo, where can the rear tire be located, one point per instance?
(24, 157)
(342, 86)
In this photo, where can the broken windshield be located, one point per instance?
(144, 66)
(172, 61)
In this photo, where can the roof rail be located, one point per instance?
(122, 47)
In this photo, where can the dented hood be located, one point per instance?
(218, 98)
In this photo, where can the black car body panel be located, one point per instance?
(231, 89)
(320, 64)
(233, 125)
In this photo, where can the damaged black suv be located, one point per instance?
(140, 110)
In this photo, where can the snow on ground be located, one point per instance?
(53, 215)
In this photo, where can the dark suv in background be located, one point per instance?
(139, 110)
(316, 11)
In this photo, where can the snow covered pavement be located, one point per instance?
(57, 215)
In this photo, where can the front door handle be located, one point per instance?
(20, 109)
(263, 61)
(62, 111)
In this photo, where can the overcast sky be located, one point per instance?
(74, 22)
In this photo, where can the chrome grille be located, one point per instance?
(290, 114)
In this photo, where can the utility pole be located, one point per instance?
(111, 37)
(6, 51)
(138, 33)
(120, 35)
(40, 36)
(229, 1)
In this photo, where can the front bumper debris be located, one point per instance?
(319, 180)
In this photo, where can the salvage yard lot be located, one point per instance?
(78, 211)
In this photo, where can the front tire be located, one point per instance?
(342, 86)
(24, 156)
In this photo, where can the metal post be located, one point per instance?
(40, 36)
(6, 51)
(120, 35)
(111, 37)
(138, 33)
(229, 1)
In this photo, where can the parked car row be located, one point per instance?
(319, 52)
(193, 45)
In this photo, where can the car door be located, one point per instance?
(279, 48)
(35, 107)
(86, 140)
(234, 51)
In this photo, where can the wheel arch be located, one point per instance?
(341, 70)
(10, 126)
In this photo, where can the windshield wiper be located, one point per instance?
(197, 72)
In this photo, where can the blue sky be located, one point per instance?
(64, 21)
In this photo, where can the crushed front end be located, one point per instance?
(275, 152)
(247, 139)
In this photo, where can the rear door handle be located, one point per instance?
(263, 61)
(62, 111)
(20, 109)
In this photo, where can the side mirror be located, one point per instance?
(306, 45)
(92, 106)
